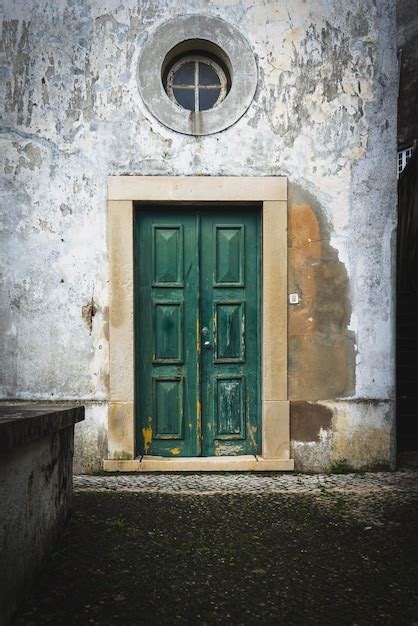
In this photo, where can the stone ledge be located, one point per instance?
(25, 423)
(199, 464)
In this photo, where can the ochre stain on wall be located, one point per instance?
(307, 420)
(321, 348)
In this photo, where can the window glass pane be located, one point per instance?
(207, 75)
(184, 75)
(185, 98)
(207, 98)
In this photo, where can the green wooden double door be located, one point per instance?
(197, 331)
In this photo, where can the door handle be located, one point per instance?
(205, 334)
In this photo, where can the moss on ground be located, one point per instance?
(143, 558)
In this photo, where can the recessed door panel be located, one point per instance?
(168, 408)
(168, 255)
(168, 332)
(229, 405)
(229, 255)
(229, 332)
(197, 322)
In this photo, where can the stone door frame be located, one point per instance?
(271, 194)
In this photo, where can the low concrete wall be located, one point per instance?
(36, 457)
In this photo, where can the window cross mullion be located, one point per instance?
(191, 70)
(196, 86)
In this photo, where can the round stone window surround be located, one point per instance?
(182, 33)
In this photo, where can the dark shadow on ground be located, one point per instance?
(143, 558)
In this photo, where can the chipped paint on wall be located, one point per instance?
(324, 115)
(309, 420)
(360, 433)
(321, 353)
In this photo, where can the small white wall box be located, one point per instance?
(293, 298)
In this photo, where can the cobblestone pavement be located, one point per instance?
(403, 480)
(234, 550)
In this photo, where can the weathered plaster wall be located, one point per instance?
(324, 115)
(357, 434)
(321, 347)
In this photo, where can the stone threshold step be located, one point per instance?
(246, 463)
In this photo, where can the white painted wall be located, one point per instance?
(324, 115)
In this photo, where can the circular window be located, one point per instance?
(196, 82)
(197, 74)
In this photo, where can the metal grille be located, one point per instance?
(403, 158)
